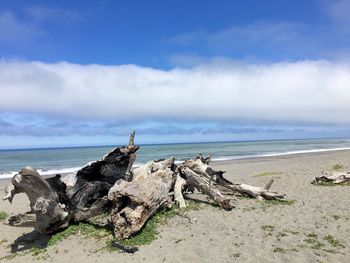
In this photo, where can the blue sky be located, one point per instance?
(87, 72)
(155, 33)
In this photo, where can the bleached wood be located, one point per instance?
(136, 201)
(178, 190)
(332, 177)
(50, 214)
(203, 184)
(201, 167)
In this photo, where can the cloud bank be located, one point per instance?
(38, 126)
(301, 92)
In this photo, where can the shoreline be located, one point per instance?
(219, 160)
(279, 157)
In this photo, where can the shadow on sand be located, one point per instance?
(30, 240)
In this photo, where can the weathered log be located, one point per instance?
(204, 185)
(88, 196)
(178, 191)
(332, 178)
(201, 167)
(24, 220)
(56, 201)
(44, 202)
(205, 160)
(136, 201)
(142, 172)
(251, 191)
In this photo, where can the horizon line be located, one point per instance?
(170, 143)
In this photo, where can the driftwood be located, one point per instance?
(204, 185)
(136, 201)
(200, 167)
(88, 196)
(179, 188)
(127, 249)
(129, 196)
(44, 202)
(55, 203)
(332, 178)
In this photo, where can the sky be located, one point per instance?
(88, 72)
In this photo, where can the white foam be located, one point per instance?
(59, 171)
(7, 175)
(44, 173)
(228, 158)
(305, 151)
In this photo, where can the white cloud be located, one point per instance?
(304, 91)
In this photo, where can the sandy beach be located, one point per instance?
(315, 228)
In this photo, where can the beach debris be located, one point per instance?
(203, 184)
(193, 221)
(136, 201)
(179, 188)
(50, 214)
(332, 178)
(216, 183)
(129, 196)
(55, 204)
(127, 249)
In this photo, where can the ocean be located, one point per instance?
(64, 160)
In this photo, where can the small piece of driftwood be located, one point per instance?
(332, 178)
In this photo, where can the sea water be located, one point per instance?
(65, 160)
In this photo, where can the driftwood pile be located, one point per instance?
(129, 196)
(332, 178)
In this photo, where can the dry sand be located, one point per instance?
(249, 233)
